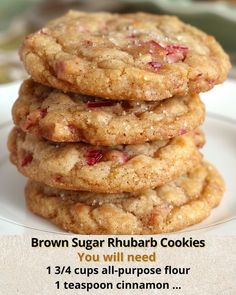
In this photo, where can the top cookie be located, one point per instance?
(124, 57)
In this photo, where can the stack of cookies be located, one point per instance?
(107, 127)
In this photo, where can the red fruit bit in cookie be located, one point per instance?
(211, 81)
(43, 113)
(176, 53)
(93, 157)
(182, 131)
(99, 104)
(29, 123)
(33, 118)
(26, 159)
(125, 157)
(177, 48)
(155, 65)
(59, 67)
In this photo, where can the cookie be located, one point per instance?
(136, 56)
(121, 168)
(50, 113)
(171, 207)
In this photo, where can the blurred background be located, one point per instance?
(20, 17)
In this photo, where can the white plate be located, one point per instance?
(220, 129)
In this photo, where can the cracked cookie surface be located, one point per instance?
(124, 57)
(176, 205)
(121, 168)
(47, 112)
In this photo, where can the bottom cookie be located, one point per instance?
(171, 207)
